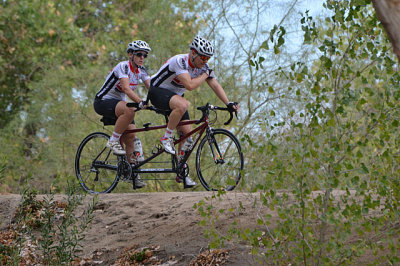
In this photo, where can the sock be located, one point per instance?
(115, 136)
(168, 133)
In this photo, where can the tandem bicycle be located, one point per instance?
(219, 159)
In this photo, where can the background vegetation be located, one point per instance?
(319, 102)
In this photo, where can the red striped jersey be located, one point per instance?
(111, 88)
(166, 78)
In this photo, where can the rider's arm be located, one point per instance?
(147, 83)
(127, 90)
(189, 83)
(219, 91)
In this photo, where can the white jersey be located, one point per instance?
(111, 88)
(166, 78)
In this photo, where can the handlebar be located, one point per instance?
(204, 110)
(208, 106)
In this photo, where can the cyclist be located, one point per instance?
(180, 73)
(110, 100)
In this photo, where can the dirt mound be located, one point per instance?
(162, 226)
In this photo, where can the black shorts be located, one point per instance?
(160, 98)
(106, 107)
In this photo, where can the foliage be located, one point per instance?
(61, 65)
(60, 229)
(60, 242)
(29, 44)
(341, 135)
(321, 118)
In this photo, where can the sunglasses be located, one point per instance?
(202, 57)
(140, 55)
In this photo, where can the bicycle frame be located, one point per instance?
(217, 165)
(204, 125)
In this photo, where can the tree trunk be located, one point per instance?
(388, 12)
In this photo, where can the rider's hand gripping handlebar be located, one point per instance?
(204, 109)
(208, 106)
(138, 106)
(231, 110)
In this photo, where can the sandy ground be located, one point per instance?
(167, 220)
(164, 221)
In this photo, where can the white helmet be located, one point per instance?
(138, 46)
(202, 46)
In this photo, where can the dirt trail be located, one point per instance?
(167, 220)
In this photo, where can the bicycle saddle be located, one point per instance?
(108, 121)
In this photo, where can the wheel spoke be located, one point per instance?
(96, 177)
(227, 172)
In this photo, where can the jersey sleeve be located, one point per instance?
(205, 68)
(121, 70)
(178, 65)
(212, 75)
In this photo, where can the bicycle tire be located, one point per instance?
(225, 174)
(96, 165)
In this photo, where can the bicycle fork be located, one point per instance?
(218, 158)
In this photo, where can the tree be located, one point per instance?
(34, 35)
(388, 12)
(69, 51)
(342, 134)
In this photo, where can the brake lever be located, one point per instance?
(231, 115)
(230, 119)
(200, 120)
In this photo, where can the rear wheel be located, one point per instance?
(219, 160)
(95, 164)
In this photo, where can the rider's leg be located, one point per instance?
(128, 139)
(125, 116)
(178, 106)
(183, 131)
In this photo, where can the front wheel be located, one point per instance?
(219, 160)
(95, 164)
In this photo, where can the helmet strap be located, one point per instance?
(194, 56)
(133, 61)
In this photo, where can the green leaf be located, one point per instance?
(281, 41)
(264, 45)
(328, 63)
(364, 169)
(270, 89)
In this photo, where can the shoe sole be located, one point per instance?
(172, 153)
(116, 152)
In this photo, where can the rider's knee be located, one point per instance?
(130, 112)
(183, 106)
